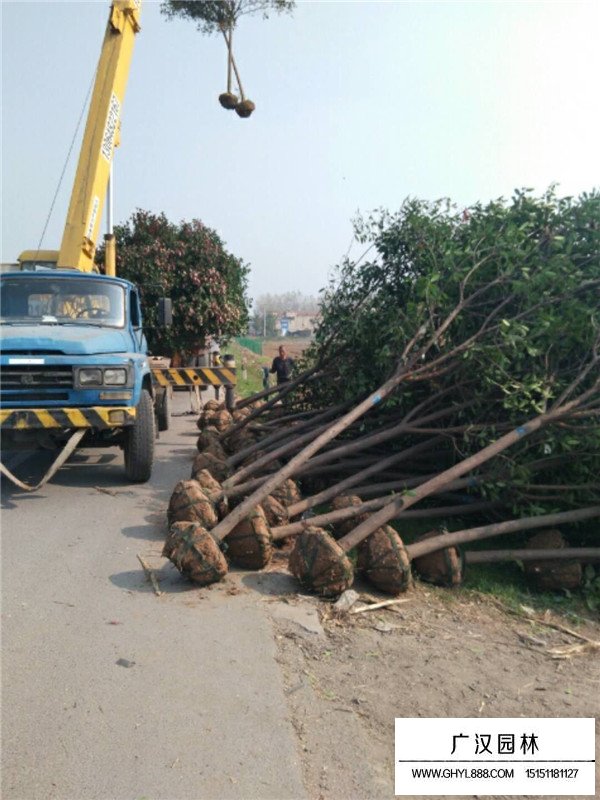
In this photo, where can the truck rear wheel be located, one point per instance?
(163, 410)
(139, 441)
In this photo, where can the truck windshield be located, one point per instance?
(50, 300)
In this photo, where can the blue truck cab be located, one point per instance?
(74, 356)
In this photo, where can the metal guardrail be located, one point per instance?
(194, 376)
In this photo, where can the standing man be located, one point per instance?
(283, 366)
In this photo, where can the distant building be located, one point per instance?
(295, 323)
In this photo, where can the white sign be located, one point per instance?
(112, 120)
(491, 756)
(26, 361)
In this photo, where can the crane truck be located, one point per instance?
(74, 365)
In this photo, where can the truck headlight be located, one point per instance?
(90, 377)
(115, 377)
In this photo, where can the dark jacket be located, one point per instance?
(283, 367)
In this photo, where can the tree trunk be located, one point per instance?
(499, 528)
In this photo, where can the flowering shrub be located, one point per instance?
(188, 263)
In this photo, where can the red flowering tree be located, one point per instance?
(188, 263)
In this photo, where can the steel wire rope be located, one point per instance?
(64, 169)
(231, 62)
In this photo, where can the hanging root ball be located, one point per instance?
(443, 568)
(245, 109)
(208, 461)
(288, 493)
(384, 561)
(228, 100)
(249, 545)
(320, 564)
(345, 526)
(275, 513)
(189, 503)
(195, 553)
(551, 575)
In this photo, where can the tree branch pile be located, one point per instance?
(457, 369)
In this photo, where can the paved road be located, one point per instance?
(195, 709)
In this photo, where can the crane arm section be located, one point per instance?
(81, 232)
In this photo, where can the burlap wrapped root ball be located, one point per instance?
(320, 564)
(213, 490)
(205, 419)
(442, 568)
(222, 420)
(275, 512)
(239, 441)
(550, 575)
(241, 413)
(288, 493)
(343, 527)
(249, 545)
(384, 561)
(209, 442)
(190, 503)
(215, 465)
(211, 486)
(194, 552)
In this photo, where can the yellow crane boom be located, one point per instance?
(101, 136)
(80, 236)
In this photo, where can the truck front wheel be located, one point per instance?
(139, 441)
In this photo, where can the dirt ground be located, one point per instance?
(294, 347)
(440, 653)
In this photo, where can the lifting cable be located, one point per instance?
(64, 169)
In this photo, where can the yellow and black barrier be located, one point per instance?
(194, 376)
(99, 417)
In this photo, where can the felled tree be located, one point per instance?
(188, 263)
(508, 294)
(471, 343)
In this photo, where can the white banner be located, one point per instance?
(491, 756)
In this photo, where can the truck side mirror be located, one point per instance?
(165, 311)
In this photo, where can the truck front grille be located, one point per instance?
(37, 397)
(30, 378)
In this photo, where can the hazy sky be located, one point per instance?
(359, 104)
